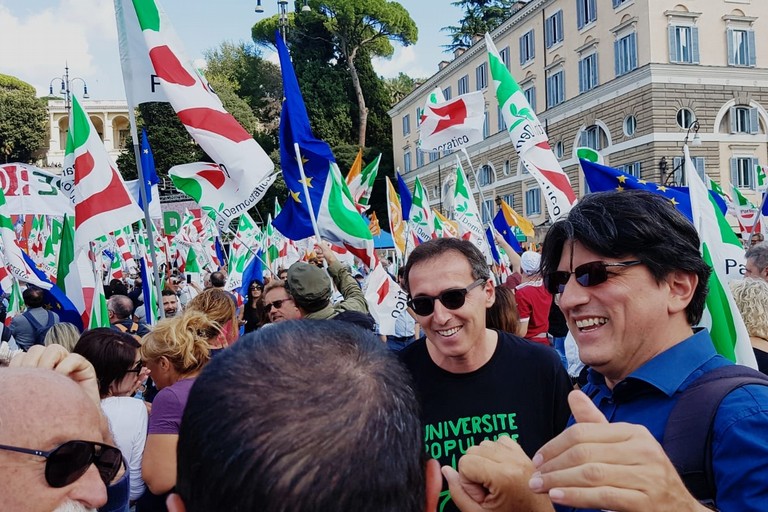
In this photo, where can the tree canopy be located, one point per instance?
(480, 16)
(23, 121)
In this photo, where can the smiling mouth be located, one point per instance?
(590, 324)
(449, 332)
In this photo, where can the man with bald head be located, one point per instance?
(53, 455)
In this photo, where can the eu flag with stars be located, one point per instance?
(294, 220)
(147, 169)
(507, 232)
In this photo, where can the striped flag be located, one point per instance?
(396, 224)
(444, 228)
(75, 272)
(718, 245)
(529, 137)
(51, 250)
(360, 180)
(467, 215)
(98, 314)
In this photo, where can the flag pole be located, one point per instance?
(253, 251)
(477, 183)
(309, 199)
(147, 219)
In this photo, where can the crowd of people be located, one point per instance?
(294, 401)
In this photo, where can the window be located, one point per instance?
(593, 137)
(500, 124)
(527, 47)
(463, 85)
(743, 171)
(588, 73)
(685, 118)
(553, 29)
(630, 126)
(481, 76)
(509, 199)
(507, 168)
(530, 95)
(419, 113)
(618, 3)
(559, 150)
(407, 161)
(434, 155)
(487, 211)
(744, 120)
(586, 12)
(486, 126)
(683, 44)
(485, 175)
(741, 47)
(555, 88)
(633, 169)
(504, 54)
(532, 202)
(626, 54)
(406, 124)
(419, 158)
(677, 165)
(447, 93)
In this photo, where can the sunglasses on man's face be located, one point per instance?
(588, 274)
(277, 304)
(454, 298)
(137, 367)
(68, 462)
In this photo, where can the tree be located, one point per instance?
(480, 16)
(23, 119)
(400, 86)
(354, 28)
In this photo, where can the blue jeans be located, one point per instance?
(559, 344)
(398, 343)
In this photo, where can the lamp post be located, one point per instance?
(66, 91)
(282, 11)
(664, 165)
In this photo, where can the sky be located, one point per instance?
(39, 37)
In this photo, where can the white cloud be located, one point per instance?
(404, 60)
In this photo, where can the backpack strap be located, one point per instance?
(134, 328)
(32, 321)
(688, 435)
(51, 320)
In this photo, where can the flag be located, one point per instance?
(529, 137)
(6, 279)
(467, 214)
(338, 220)
(247, 239)
(75, 272)
(504, 224)
(360, 180)
(148, 288)
(30, 190)
(373, 225)
(396, 224)
(15, 302)
(241, 165)
(745, 212)
(98, 315)
(492, 245)
(406, 200)
(386, 300)
(102, 203)
(35, 241)
(421, 213)
(56, 299)
(718, 244)
(444, 228)
(148, 170)
(51, 249)
(452, 124)
(254, 271)
(15, 262)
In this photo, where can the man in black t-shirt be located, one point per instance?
(475, 383)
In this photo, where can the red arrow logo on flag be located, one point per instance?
(451, 114)
(383, 291)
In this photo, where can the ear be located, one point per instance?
(490, 293)
(434, 484)
(164, 363)
(174, 503)
(682, 286)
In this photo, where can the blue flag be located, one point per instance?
(56, 299)
(501, 225)
(294, 220)
(405, 197)
(147, 168)
(601, 178)
(492, 244)
(254, 271)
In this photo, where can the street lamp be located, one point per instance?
(282, 11)
(664, 165)
(66, 90)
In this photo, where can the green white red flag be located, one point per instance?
(421, 224)
(360, 180)
(467, 215)
(99, 315)
(745, 212)
(247, 242)
(719, 245)
(529, 137)
(14, 259)
(75, 272)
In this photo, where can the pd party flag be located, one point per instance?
(386, 300)
(338, 220)
(529, 137)
(396, 223)
(453, 124)
(360, 180)
(421, 213)
(467, 215)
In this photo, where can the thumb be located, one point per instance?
(459, 495)
(583, 410)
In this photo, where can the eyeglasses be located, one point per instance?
(277, 304)
(69, 461)
(137, 367)
(588, 274)
(451, 299)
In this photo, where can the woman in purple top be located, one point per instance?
(175, 351)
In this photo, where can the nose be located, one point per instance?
(573, 295)
(89, 489)
(441, 314)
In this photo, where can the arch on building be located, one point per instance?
(121, 127)
(722, 119)
(605, 132)
(98, 123)
(63, 124)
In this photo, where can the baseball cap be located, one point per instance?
(530, 262)
(308, 284)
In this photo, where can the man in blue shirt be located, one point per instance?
(632, 284)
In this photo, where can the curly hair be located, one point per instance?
(751, 297)
(217, 304)
(183, 340)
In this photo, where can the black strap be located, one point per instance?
(688, 434)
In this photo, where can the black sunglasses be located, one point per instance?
(588, 274)
(69, 461)
(277, 304)
(137, 367)
(454, 298)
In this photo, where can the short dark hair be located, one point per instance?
(112, 353)
(440, 246)
(218, 280)
(759, 255)
(33, 297)
(121, 306)
(167, 292)
(305, 415)
(636, 224)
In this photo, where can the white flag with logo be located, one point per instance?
(386, 300)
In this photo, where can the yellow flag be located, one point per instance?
(396, 224)
(374, 225)
(356, 169)
(448, 228)
(515, 219)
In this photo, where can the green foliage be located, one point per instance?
(480, 16)
(400, 86)
(23, 119)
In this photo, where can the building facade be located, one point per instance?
(630, 78)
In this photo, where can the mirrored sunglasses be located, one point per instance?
(424, 305)
(588, 274)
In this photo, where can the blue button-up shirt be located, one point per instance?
(740, 445)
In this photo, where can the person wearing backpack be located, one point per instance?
(30, 327)
(665, 423)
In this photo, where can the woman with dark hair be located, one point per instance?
(119, 370)
(502, 315)
(252, 313)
